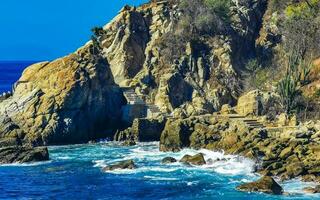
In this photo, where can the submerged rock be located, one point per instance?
(197, 159)
(126, 164)
(266, 185)
(21, 154)
(168, 160)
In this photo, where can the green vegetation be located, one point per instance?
(297, 75)
(304, 9)
(200, 18)
(98, 31)
(205, 16)
(301, 29)
(221, 7)
(96, 48)
(288, 91)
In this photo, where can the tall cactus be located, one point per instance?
(287, 89)
(297, 75)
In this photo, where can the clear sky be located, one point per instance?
(47, 29)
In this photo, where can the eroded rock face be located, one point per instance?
(266, 185)
(21, 154)
(69, 100)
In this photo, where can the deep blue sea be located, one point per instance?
(75, 172)
(10, 72)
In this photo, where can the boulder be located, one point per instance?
(197, 159)
(266, 185)
(258, 103)
(23, 154)
(126, 164)
(168, 160)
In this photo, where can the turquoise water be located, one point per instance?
(74, 172)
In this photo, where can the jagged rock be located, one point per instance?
(173, 92)
(266, 185)
(197, 159)
(64, 101)
(127, 164)
(168, 160)
(23, 154)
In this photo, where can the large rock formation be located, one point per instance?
(76, 98)
(69, 100)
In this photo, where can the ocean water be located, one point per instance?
(10, 72)
(75, 171)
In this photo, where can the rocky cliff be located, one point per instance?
(186, 57)
(69, 100)
(76, 98)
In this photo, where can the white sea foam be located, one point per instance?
(122, 171)
(25, 164)
(296, 186)
(216, 161)
(64, 157)
(99, 163)
(155, 178)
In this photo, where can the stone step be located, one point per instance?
(235, 116)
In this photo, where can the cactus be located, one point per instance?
(305, 72)
(297, 75)
(288, 90)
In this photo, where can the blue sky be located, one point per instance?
(48, 29)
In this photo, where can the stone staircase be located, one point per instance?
(134, 99)
(251, 123)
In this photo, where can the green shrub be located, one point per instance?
(221, 7)
(305, 9)
(98, 31)
(253, 65)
